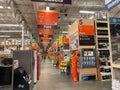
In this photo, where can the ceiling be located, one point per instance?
(19, 13)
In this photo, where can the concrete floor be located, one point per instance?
(51, 79)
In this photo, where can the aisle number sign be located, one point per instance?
(109, 4)
(55, 1)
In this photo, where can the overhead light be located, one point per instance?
(1, 6)
(11, 25)
(5, 36)
(9, 7)
(47, 8)
(12, 31)
(89, 12)
(65, 32)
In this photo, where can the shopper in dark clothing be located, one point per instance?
(41, 58)
(44, 58)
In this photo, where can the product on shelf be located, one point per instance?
(88, 58)
(10, 44)
(65, 67)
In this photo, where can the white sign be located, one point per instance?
(16, 64)
(74, 41)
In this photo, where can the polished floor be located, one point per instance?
(50, 79)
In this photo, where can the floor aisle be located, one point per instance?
(51, 79)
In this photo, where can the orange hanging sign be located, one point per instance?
(66, 40)
(47, 19)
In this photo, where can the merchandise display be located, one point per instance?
(54, 56)
(65, 67)
(82, 31)
(103, 44)
(64, 62)
(88, 58)
(8, 45)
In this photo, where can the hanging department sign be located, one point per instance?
(47, 19)
(55, 1)
(109, 4)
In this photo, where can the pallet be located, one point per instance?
(87, 72)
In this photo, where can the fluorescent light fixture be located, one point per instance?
(10, 31)
(1, 7)
(5, 36)
(65, 32)
(11, 25)
(88, 12)
(47, 8)
(9, 7)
